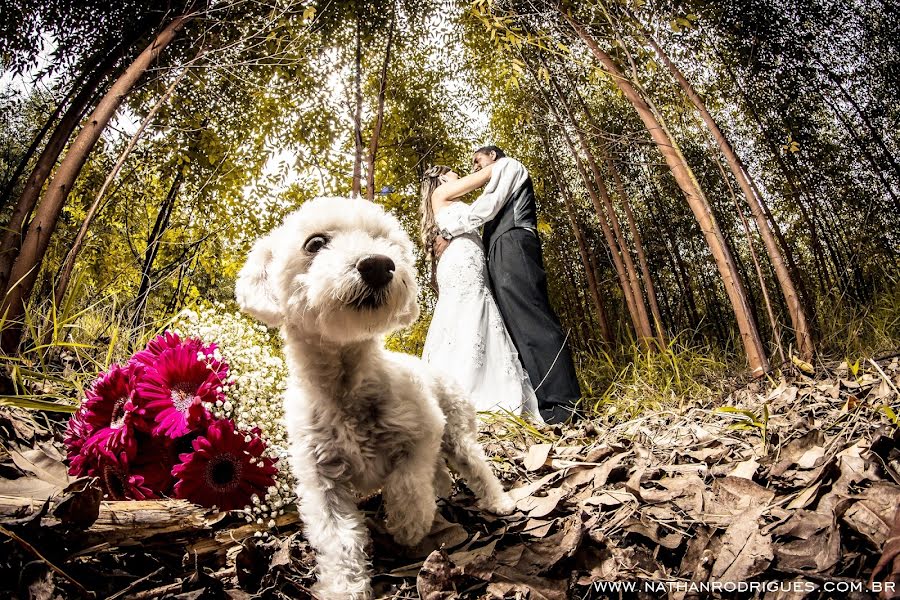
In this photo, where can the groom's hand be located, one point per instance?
(440, 244)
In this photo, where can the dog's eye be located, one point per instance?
(315, 243)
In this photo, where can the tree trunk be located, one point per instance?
(34, 247)
(645, 332)
(795, 305)
(604, 225)
(357, 114)
(15, 230)
(160, 227)
(10, 184)
(89, 71)
(65, 273)
(795, 192)
(639, 249)
(773, 323)
(584, 251)
(686, 180)
(379, 116)
(639, 246)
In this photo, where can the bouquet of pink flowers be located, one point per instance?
(146, 430)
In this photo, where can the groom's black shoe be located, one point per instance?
(559, 414)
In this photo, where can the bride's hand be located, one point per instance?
(440, 244)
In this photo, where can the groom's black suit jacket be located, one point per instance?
(519, 283)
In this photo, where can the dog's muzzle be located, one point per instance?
(376, 271)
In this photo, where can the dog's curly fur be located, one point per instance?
(359, 418)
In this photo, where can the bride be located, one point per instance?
(467, 337)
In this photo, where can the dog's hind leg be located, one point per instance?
(335, 529)
(443, 482)
(465, 455)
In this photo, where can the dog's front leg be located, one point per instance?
(409, 494)
(335, 529)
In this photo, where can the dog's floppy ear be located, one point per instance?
(255, 289)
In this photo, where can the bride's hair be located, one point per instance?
(428, 229)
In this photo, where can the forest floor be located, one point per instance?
(792, 483)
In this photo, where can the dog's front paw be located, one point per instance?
(410, 531)
(342, 589)
(500, 505)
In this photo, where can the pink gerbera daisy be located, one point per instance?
(107, 419)
(109, 402)
(154, 462)
(116, 478)
(176, 387)
(77, 432)
(168, 340)
(226, 468)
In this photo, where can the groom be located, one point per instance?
(508, 212)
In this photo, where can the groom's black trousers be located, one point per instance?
(519, 283)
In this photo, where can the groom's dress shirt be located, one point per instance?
(507, 177)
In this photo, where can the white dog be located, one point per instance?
(336, 277)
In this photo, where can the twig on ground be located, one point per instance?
(81, 589)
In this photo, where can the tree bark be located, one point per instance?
(584, 251)
(34, 247)
(795, 191)
(645, 332)
(604, 226)
(356, 185)
(796, 310)
(639, 249)
(92, 69)
(639, 246)
(686, 180)
(22, 164)
(15, 230)
(773, 323)
(65, 273)
(379, 116)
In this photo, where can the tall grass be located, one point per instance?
(633, 380)
(65, 347)
(850, 330)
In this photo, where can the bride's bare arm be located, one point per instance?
(457, 188)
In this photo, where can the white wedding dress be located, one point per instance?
(467, 338)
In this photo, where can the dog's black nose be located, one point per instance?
(377, 270)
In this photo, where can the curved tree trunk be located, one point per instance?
(65, 273)
(753, 346)
(796, 310)
(25, 270)
(604, 226)
(89, 71)
(645, 332)
(584, 251)
(773, 323)
(639, 249)
(11, 239)
(638, 242)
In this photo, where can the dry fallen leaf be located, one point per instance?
(745, 552)
(537, 456)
